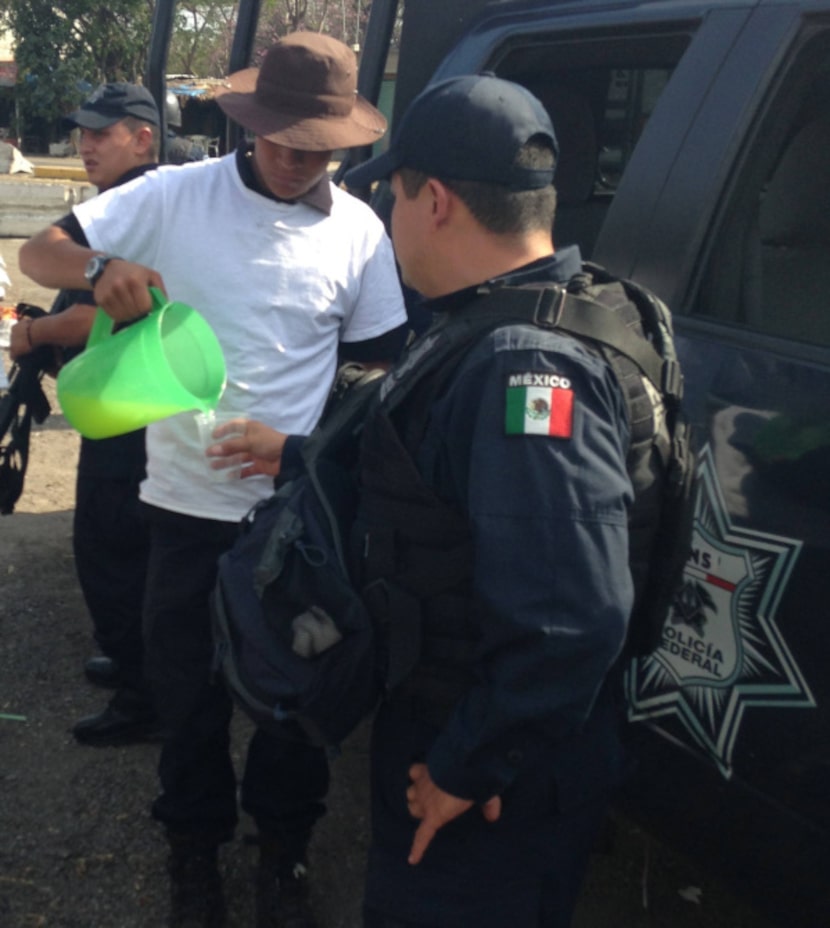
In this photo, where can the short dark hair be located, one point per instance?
(134, 124)
(499, 209)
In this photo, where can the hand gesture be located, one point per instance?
(435, 808)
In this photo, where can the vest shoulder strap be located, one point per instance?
(547, 305)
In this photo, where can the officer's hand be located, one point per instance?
(258, 449)
(19, 339)
(435, 808)
(122, 290)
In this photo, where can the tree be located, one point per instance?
(202, 38)
(65, 49)
(342, 19)
(63, 52)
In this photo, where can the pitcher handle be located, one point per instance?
(101, 328)
(102, 325)
(158, 298)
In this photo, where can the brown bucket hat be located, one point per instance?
(304, 96)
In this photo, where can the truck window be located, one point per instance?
(768, 269)
(600, 94)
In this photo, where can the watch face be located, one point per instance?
(94, 267)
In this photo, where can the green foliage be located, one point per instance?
(202, 38)
(65, 50)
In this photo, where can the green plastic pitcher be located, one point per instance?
(167, 362)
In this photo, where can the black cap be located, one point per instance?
(466, 128)
(110, 103)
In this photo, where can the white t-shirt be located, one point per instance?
(279, 283)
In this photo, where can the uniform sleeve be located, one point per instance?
(532, 444)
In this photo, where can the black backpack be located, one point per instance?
(293, 638)
(661, 461)
(289, 566)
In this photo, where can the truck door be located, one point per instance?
(740, 680)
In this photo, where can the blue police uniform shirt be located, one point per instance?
(546, 494)
(549, 519)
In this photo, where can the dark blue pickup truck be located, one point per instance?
(695, 143)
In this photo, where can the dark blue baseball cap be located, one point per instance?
(466, 128)
(110, 103)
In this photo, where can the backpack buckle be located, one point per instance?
(549, 305)
(672, 378)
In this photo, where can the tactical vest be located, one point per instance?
(412, 553)
(413, 558)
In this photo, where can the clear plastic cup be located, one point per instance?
(207, 423)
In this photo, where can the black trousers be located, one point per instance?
(111, 546)
(523, 871)
(285, 778)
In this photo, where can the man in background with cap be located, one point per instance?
(119, 131)
(179, 149)
(502, 511)
(291, 273)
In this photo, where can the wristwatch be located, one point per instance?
(95, 268)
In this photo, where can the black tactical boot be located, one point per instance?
(103, 671)
(196, 899)
(282, 892)
(128, 719)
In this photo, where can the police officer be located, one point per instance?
(495, 498)
(119, 134)
(179, 150)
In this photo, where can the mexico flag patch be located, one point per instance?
(539, 404)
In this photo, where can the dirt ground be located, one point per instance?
(78, 848)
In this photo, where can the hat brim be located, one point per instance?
(82, 119)
(364, 125)
(378, 168)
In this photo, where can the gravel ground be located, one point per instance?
(77, 846)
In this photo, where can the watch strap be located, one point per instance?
(103, 261)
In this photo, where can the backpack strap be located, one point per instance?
(330, 452)
(549, 306)
(555, 307)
